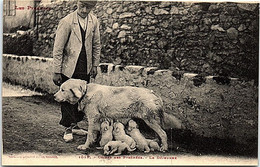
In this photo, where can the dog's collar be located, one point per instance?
(79, 101)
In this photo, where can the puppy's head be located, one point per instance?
(71, 91)
(118, 128)
(104, 126)
(132, 125)
(107, 149)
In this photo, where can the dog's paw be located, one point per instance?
(99, 148)
(82, 147)
(163, 148)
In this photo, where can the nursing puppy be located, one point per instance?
(106, 129)
(120, 135)
(113, 102)
(154, 146)
(116, 146)
(134, 132)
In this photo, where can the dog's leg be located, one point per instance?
(112, 151)
(146, 149)
(90, 136)
(157, 128)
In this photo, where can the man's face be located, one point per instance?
(84, 9)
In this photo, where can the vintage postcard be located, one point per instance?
(130, 82)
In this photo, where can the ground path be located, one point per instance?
(31, 133)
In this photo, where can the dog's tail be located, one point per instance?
(170, 121)
(130, 149)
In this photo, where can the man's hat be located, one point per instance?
(89, 2)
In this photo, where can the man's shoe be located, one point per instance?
(77, 131)
(68, 137)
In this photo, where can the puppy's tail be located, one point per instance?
(133, 145)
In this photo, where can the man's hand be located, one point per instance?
(57, 79)
(93, 72)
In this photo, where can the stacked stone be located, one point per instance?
(19, 44)
(47, 23)
(192, 37)
(211, 38)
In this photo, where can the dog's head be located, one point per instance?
(71, 91)
(118, 128)
(132, 125)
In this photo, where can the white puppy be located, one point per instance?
(116, 146)
(120, 135)
(134, 132)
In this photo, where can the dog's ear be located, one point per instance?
(137, 127)
(77, 93)
(129, 129)
(117, 129)
(83, 88)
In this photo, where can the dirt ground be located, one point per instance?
(30, 123)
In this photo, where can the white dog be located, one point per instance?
(113, 102)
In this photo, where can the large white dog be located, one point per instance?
(117, 103)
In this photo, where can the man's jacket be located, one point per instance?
(68, 43)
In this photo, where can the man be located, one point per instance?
(76, 54)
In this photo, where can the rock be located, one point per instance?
(174, 10)
(253, 26)
(232, 33)
(143, 21)
(160, 11)
(126, 15)
(20, 32)
(242, 27)
(121, 34)
(194, 9)
(151, 28)
(165, 24)
(138, 12)
(154, 21)
(214, 8)
(148, 10)
(207, 21)
(109, 11)
(115, 26)
(164, 4)
(109, 30)
(52, 36)
(125, 27)
(48, 16)
(217, 27)
(162, 43)
(247, 6)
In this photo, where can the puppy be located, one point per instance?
(154, 146)
(134, 132)
(119, 146)
(120, 135)
(106, 130)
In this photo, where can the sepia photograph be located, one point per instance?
(112, 82)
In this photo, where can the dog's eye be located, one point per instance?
(62, 90)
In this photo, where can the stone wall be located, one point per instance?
(209, 38)
(20, 43)
(225, 108)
